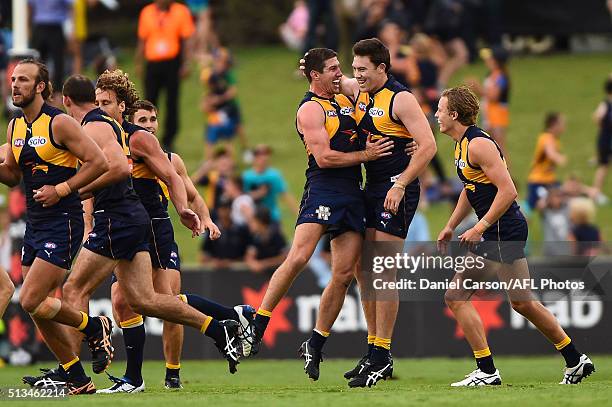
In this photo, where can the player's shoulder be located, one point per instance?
(394, 85)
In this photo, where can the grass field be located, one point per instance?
(529, 381)
(269, 93)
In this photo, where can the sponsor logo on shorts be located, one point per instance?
(385, 215)
(37, 141)
(50, 245)
(323, 212)
(18, 142)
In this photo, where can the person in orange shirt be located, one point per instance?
(165, 32)
(547, 157)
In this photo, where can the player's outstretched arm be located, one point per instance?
(68, 132)
(311, 123)
(196, 202)
(406, 109)
(10, 173)
(118, 168)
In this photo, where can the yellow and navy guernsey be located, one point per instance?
(481, 191)
(341, 127)
(43, 161)
(118, 199)
(374, 115)
(146, 183)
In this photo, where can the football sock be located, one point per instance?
(568, 351)
(89, 325)
(381, 350)
(484, 360)
(74, 370)
(371, 339)
(172, 370)
(213, 329)
(134, 339)
(317, 339)
(208, 307)
(261, 321)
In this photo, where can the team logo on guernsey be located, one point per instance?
(37, 141)
(376, 112)
(362, 106)
(346, 111)
(323, 212)
(460, 164)
(18, 142)
(332, 113)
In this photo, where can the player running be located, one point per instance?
(500, 233)
(385, 109)
(332, 201)
(45, 145)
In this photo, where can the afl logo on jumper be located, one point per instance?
(37, 141)
(18, 142)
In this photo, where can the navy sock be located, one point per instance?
(76, 372)
(571, 355)
(486, 364)
(172, 372)
(317, 340)
(261, 323)
(211, 308)
(379, 355)
(93, 326)
(370, 349)
(215, 331)
(134, 339)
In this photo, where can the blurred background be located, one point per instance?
(224, 76)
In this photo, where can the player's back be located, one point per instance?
(43, 161)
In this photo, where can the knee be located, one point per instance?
(522, 307)
(28, 301)
(452, 300)
(121, 307)
(142, 306)
(298, 260)
(71, 291)
(7, 291)
(343, 277)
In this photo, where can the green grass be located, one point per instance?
(269, 93)
(529, 381)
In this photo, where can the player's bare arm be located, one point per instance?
(311, 123)
(484, 153)
(462, 210)
(70, 134)
(10, 173)
(144, 145)
(118, 167)
(196, 202)
(407, 110)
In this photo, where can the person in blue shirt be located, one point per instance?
(266, 184)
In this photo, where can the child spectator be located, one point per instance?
(243, 206)
(555, 222)
(293, 31)
(212, 174)
(268, 247)
(584, 233)
(230, 248)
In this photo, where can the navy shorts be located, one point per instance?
(56, 240)
(161, 241)
(341, 211)
(175, 258)
(505, 240)
(117, 239)
(380, 219)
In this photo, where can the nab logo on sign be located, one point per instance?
(37, 141)
(376, 112)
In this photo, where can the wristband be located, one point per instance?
(63, 189)
(482, 226)
(399, 185)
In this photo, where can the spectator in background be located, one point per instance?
(268, 248)
(243, 207)
(79, 32)
(219, 104)
(320, 262)
(321, 12)
(200, 10)
(229, 250)
(165, 30)
(293, 31)
(374, 15)
(554, 210)
(212, 174)
(603, 118)
(584, 233)
(403, 65)
(547, 156)
(48, 18)
(266, 185)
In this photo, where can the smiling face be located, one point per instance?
(367, 74)
(328, 81)
(147, 119)
(24, 87)
(446, 119)
(107, 101)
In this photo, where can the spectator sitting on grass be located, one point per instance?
(212, 174)
(268, 247)
(585, 234)
(243, 206)
(229, 250)
(555, 222)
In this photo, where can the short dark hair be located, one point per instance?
(551, 119)
(315, 60)
(374, 49)
(262, 214)
(41, 76)
(608, 85)
(463, 101)
(142, 105)
(237, 179)
(80, 89)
